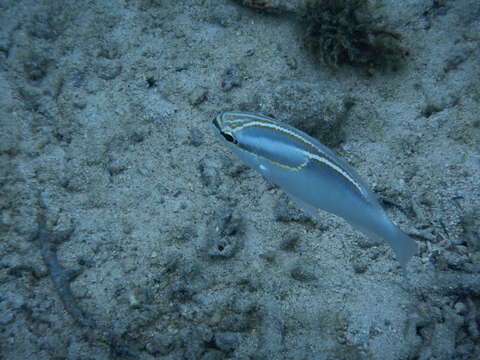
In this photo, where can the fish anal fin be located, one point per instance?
(309, 209)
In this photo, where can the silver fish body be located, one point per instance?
(311, 174)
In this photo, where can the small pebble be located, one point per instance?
(301, 273)
(460, 308)
(197, 96)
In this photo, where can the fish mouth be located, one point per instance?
(226, 136)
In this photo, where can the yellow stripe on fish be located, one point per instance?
(315, 154)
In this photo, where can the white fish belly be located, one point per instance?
(325, 189)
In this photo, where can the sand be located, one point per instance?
(168, 247)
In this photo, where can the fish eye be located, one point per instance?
(229, 138)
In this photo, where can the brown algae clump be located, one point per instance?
(347, 32)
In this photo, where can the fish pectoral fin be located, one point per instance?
(309, 209)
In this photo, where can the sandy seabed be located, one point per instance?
(129, 230)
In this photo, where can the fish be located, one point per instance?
(311, 174)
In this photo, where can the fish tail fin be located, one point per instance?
(403, 246)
